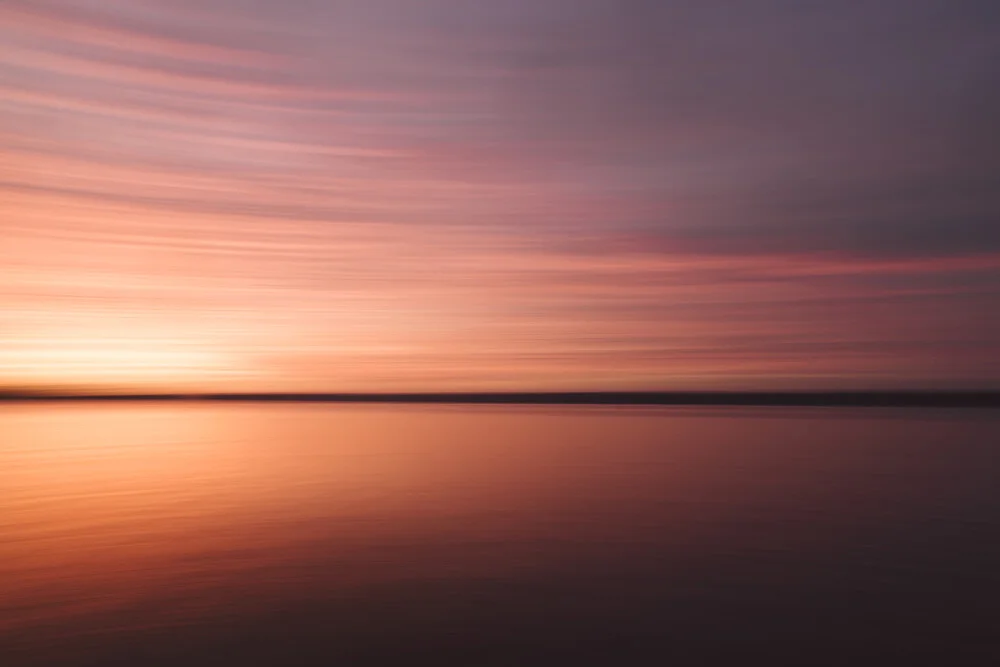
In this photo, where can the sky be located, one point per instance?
(380, 195)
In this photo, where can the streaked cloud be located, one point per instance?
(549, 194)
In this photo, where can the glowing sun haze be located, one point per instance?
(472, 194)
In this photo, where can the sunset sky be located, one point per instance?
(474, 194)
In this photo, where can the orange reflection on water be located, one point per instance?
(114, 508)
(127, 518)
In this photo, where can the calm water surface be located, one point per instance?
(207, 534)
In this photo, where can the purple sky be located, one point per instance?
(380, 194)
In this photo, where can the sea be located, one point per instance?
(213, 534)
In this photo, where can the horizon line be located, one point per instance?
(847, 398)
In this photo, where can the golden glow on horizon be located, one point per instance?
(124, 361)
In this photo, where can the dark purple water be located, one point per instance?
(186, 534)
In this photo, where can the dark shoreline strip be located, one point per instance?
(957, 399)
